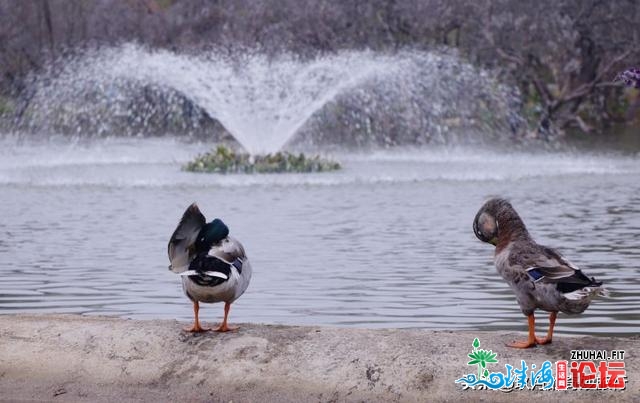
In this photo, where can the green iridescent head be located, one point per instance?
(211, 234)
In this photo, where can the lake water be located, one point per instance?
(386, 242)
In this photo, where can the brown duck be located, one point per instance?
(540, 277)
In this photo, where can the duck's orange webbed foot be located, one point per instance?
(522, 344)
(552, 323)
(196, 328)
(531, 341)
(543, 340)
(223, 326)
(226, 328)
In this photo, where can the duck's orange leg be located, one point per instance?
(552, 322)
(531, 341)
(224, 327)
(196, 328)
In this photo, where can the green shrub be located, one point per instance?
(224, 160)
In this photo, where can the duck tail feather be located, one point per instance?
(591, 291)
(180, 246)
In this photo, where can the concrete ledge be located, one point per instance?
(103, 359)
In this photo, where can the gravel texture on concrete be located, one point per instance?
(76, 358)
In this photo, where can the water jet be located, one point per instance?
(350, 99)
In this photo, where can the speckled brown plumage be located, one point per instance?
(540, 277)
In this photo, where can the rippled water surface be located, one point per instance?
(386, 242)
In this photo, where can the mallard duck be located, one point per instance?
(213, 265)
(540, 276)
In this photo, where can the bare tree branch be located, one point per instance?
(586, 88)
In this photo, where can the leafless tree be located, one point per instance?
(561, 53)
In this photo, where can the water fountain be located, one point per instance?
(354, 98)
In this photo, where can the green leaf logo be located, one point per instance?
(481, 358)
